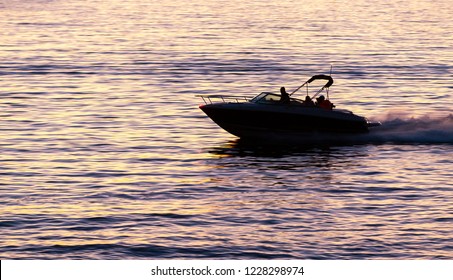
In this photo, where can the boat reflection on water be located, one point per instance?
(240, 147)
(308, 159)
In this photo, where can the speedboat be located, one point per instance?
(269, 114)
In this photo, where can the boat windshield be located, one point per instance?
(266, 97)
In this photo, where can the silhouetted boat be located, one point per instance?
(268, 114)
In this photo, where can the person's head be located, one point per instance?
(321, 98)
(282, 90)
(307, 98)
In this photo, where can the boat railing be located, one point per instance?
(218, 98)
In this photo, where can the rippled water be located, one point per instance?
(105, 154)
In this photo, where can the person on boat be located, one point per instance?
(284, 98)
(308, 102)
(319, 100)
(324, 103)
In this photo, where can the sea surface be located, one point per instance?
(104, 153)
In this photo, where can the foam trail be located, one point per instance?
(427, 130)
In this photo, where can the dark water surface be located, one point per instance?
(104, 153)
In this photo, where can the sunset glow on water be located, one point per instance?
(104, 153)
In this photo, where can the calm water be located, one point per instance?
(104, 153)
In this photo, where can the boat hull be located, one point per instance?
(249, 120)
